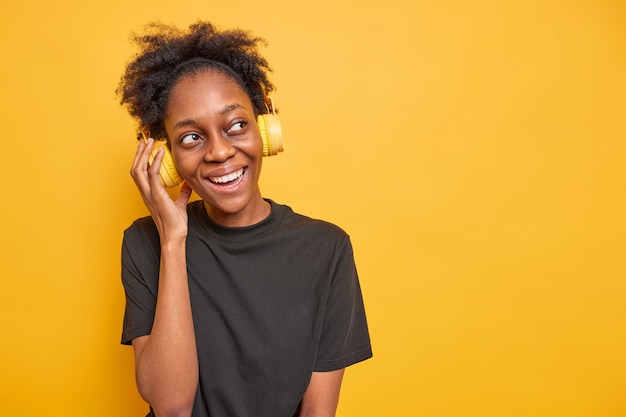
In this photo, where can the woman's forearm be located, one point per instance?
(167, 361)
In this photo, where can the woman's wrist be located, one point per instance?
(173, 243)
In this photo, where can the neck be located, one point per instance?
(250, 215)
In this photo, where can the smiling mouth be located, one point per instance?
(229, 178)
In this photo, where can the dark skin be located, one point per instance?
(217, 148)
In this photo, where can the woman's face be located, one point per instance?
(217, 146)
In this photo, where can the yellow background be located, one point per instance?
(474, 150)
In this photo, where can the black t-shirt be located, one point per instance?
(271, 303)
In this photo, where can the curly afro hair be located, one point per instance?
(167, 53)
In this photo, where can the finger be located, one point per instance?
(140, 146)
(141, 160)
(155, 167)
(148, 166)
(183, 195)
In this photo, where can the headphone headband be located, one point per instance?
(269, 105)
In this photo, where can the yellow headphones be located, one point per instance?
(271, 133)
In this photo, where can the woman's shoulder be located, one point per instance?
(312, 225)
(140, 236)
(142, 225)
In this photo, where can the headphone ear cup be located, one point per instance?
(272, 134)
(168, 172)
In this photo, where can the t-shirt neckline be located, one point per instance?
(201, 218)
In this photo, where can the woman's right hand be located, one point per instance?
(170, 216)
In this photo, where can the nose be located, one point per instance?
(218, 149)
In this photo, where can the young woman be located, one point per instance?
(235, 305)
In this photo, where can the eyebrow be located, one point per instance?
(222, 111)
(230, 107)
(184, 123)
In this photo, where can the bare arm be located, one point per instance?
(166, 361)
(322, 395)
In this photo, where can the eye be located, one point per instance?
(237, 127)
(189, 138)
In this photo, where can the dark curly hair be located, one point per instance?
(167, 53)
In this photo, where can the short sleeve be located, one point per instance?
(345, 337)
(140, 271)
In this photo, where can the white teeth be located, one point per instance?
(227, 178)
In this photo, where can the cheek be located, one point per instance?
(256, 147)
(184, 163)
